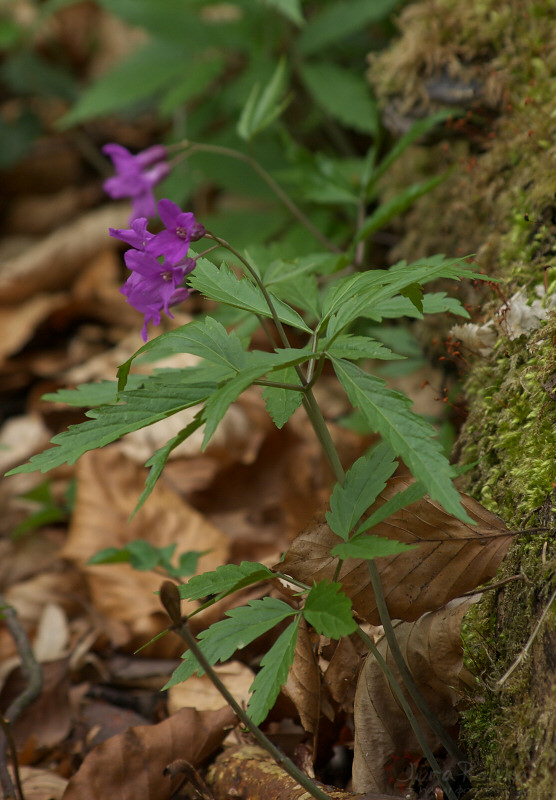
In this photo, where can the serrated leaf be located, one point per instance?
(258, 364)
(433, 303)
(414, 293)
(362, 484)
(410, 436)
(224, 580)
(205, 338)
(405, 498)
(369, 547)
(221, 284)
(158, 398)
(281, 403)
(88, 395)
(343, 95)
(357, 347)
(159, 458)
(264, 106)
(273, 674)
(241, 626)
(328, 610)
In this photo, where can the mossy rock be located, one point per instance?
(494, 62)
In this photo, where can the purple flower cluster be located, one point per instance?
(159, 262)
(136, 175)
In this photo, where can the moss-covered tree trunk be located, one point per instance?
(495, 61)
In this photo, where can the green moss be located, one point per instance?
(499, 203)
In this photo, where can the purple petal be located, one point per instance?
(167, 244)
(152, 155)
(168, 213)
(137, 236)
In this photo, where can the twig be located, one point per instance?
(525, 652)
(170, 597)
(32, 672)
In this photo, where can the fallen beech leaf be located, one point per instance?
(341, 673)
(131, 765)
(201, 693)
(433, 651)
(452, 558)
(108, 487)
(18, 323)
(303, 684)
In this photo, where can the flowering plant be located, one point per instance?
(334, 304)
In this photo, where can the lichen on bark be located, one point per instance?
(494, 62)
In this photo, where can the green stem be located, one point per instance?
(404, 670)
(270, 182)
(396, 688)
(278, 756)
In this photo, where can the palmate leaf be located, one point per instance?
(354, 348)
(158, 398)
(273, 674)
(362, 485)
(221, 284)
(241, 626)
(414, 492)
(388, 412)
(205, 338)
(257, 365)
(328, 610)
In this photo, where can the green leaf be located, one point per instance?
(343, 95)
(414, 293)
(241, 626)
(143, 556)
(221, 284)
(338, 20)
(410, 436)
(273, 674)
(224, 580)
(433, 303)
(159, 458)
(205, 338)
(417, 130)
(88, 395)
(356, 347)
(410, 495)
(141, 76)
(258, 364)
(369, 547)
(396, 206)
(291, 9)
(363, 483)
(159, 397)
(263, 107)
(328, 610)
(281, 403)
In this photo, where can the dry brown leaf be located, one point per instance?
(41, 784)
(452, 558)
(54, 261)
(200, 692)
(131, 765)
(48, 719)
(303, 683)
(340, 677)
(384, 738)
(108, 487)
(18, 323)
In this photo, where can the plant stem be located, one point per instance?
(404, 670)
(194, 147)
(396, 688)
(281, 759)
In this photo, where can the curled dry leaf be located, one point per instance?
(131, 765)
(108, 487)
(452, 557)
(41, 784)
(384, 739)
